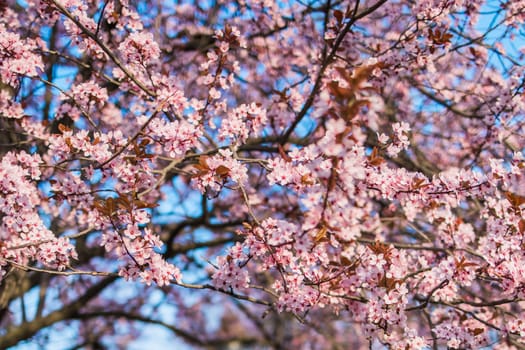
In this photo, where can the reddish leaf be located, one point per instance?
(306, 179)
(63, 128)
(141, 204)
(515, 200)
(202, 167)
(123, 203)
(321, 234)
(521, 226)
(339, 16)
(283, 154)
(374, 159)
(477, 331)
(110, 206)
(222, 171)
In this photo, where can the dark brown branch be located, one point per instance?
(104, 48)
(185, 335)
(325, 64)
(26, 330)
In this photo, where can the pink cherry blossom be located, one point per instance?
(262, 174)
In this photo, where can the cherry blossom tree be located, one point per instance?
(263, 174)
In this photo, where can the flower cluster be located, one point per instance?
(242, 121)
(139, 251)
(359, 167)
(139, 48)
(95, 146)
(17, 57)
(25, 236)
(230, 272)
(176, 138)
(8, 107)
(295, 169)
(214, 172)
(89, 94)
(169, 96)
(401, 140)
(84, 43)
